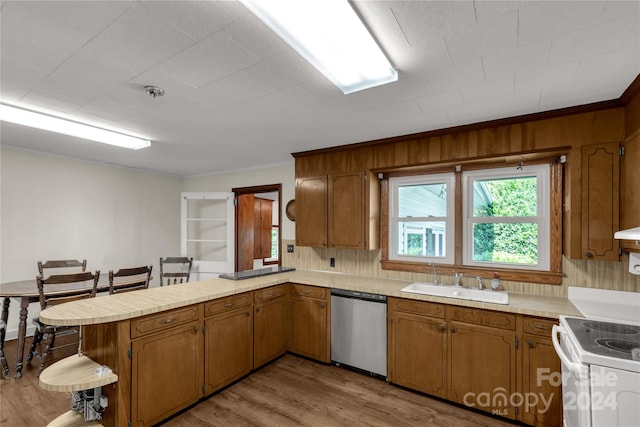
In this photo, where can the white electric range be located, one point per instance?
(600, 356)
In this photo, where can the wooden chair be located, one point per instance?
(180, 272)
(3, 360)
(58, 289)
(131, 279)
(62, 263)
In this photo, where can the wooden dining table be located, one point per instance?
(27, 292)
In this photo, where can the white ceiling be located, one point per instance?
(238, 97)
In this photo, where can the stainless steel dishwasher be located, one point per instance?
(359, 331)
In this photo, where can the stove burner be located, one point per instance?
(617, 345)
(613, 328)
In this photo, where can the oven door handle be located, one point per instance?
(576, 367)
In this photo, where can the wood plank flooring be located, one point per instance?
(291, 391)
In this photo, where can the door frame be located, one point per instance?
(257, 189)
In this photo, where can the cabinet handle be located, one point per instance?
(589, 255)
(229, 304)
(530, 343)
(165, 321)
(322, 305)
(247, 313)
(453, 328)
(541, 327)
(442, 327)
(195, 329)
(258, 309)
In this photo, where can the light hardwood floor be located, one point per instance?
(291, 391)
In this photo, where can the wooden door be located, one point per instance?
(269, 330)
(263, 221)
(245, 232)
(228, 348)
(417, 353)
(166, 373)
(482, 368)
(311, 211)
(541, 378)
(600, 201)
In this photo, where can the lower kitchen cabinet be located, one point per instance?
(269, 324)
(541, 382)
(309, 332)
(166, 365)
(228, 334)
(418, 346)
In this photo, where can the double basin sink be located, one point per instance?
(448, 291)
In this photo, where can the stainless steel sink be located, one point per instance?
(496, 297)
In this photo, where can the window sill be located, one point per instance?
(529, 276)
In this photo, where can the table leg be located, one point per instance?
(22, 332)
(5, 316)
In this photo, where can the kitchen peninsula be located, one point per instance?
(169, 338)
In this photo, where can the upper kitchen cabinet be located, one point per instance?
(338, 211)
(600, 201)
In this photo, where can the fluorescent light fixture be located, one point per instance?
(329, 35)
(33, 119)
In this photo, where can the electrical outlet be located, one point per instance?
(290, 249)
(332, 262)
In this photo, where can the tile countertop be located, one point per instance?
(113, 308)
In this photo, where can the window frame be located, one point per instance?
(449, 179)
(542, 174)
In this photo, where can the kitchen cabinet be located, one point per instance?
(338, 211)
(482, 359)
(540, 375)
(417, 355)
(269, 324)
(166, 364)
(262, 223)
(309, 332)
(630, 189)
(228, 353)
(600, 201)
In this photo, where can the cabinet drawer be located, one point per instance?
(223, 305)
(483, 317)
(165, 320)
(537, 326)
(308, 291)
(268, 293)
(417, 307)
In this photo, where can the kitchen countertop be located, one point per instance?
(113, 308)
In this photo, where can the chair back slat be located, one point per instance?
(131, 279)
(60, 288)
(62, 263)
(181, 270)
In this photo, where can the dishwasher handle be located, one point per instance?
(366, 296)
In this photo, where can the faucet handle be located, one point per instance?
(480, 284)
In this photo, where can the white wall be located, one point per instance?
(54, 207)
(281, 174)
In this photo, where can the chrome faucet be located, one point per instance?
(435, 274)
(480, 284)
(457, 279)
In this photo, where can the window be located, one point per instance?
(505, 221)
(422, 218)
(506, 217)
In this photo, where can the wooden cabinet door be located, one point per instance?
(346, 211)
(600, 201)
(482, 367)
(541, 378)
(311, 211)
(309, 328)
(417, 353)
(262, 228)
(166, 373)
(228, 348)
(630, 189)
(269, 330)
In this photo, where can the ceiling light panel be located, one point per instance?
(331, 36)
(49, 123)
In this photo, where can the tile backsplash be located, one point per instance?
(590, 274)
